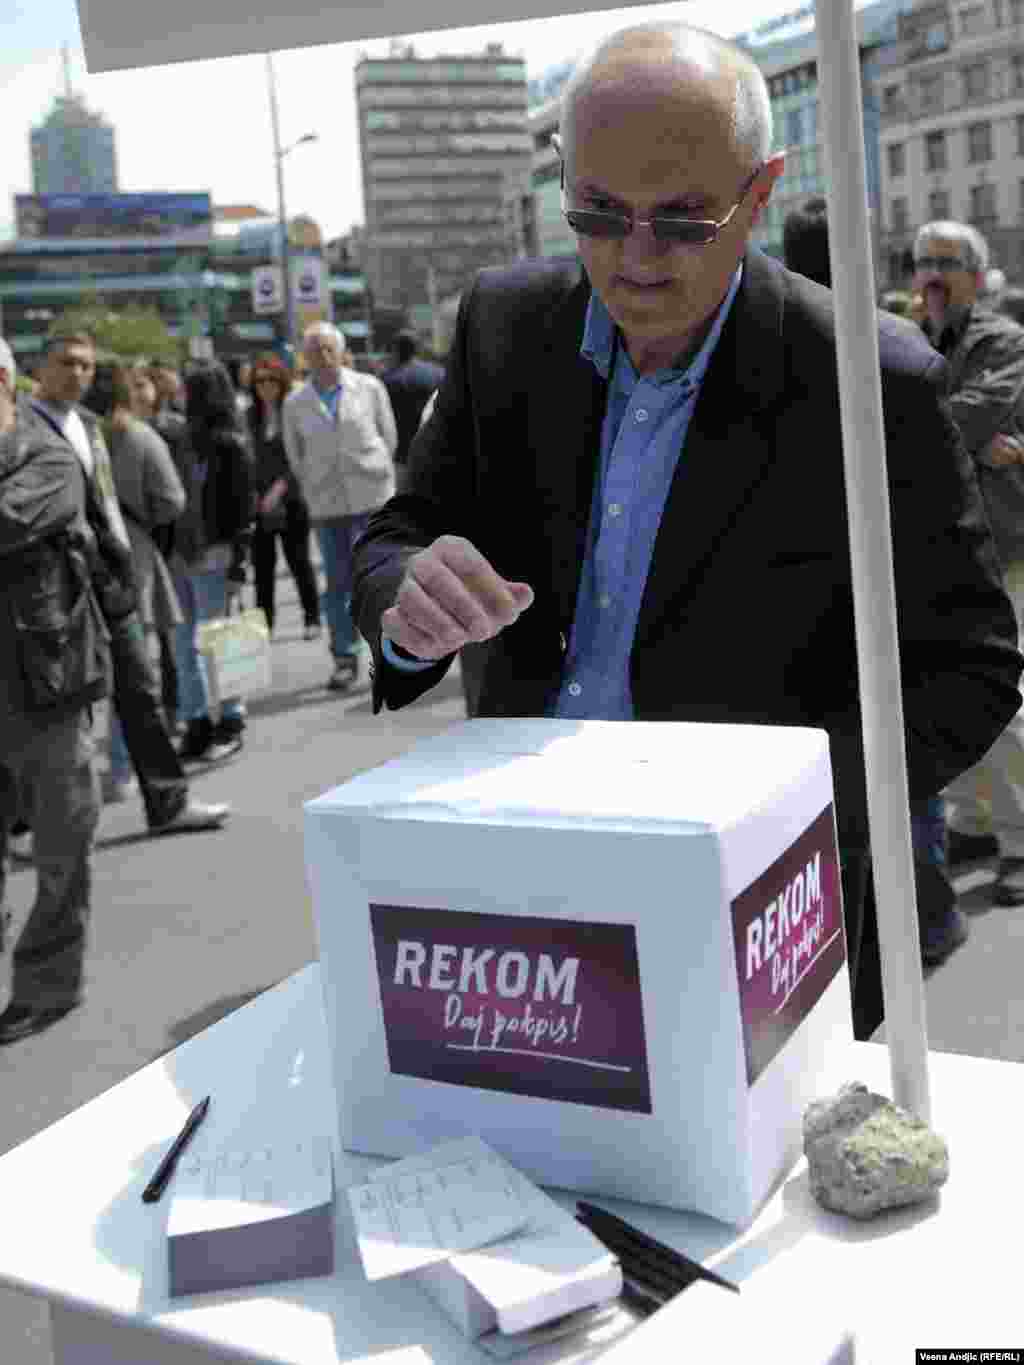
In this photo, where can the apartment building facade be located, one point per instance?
(444, 148)
(952, 109)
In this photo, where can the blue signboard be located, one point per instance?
(182, 217)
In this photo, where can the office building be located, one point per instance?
(786, 50)
(444, 149)
(952, 97)
(72, 150)
(178, 254)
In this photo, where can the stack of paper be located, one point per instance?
(489, 1246)
(251, 1217)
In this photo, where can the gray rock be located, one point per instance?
(865, 1154)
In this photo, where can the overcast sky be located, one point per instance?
(206, 125)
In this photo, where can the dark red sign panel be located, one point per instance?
(788, 932)
(542, 1007)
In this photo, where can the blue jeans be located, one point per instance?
(120, 763)
(203, 597)
(336, 541)
(928, 830)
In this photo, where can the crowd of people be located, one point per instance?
(601, 504)
(135, 503)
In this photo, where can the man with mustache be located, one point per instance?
(985, 373)
(632, 483)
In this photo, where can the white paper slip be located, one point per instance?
(409, 1219)
(251, 1217)
(551, 1267)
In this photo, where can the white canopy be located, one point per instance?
(133, 33)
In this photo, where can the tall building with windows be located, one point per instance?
(786, 50)
(952, 109)
(73, 149)
(445, 151)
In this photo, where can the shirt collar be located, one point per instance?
(599, 335)
(329, 392)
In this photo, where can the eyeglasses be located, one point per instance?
(679, 231)
(945, 265)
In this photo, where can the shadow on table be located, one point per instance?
(804, 1216)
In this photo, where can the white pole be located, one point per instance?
(860, 393)
(282, 221)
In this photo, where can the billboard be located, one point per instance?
(177, 217)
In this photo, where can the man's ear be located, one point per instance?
(762, 191)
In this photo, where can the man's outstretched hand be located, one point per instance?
(449, 597)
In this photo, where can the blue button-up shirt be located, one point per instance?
(644, 431)
(645, 425)
(329, 399)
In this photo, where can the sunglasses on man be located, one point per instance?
(678, 231)
(945, 265)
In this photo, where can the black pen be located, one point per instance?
(165, 1170)
(640, 1298)
(658, 1274)
(603, 1217)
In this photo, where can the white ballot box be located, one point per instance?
(614, 951)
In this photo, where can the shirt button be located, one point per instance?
(641, 414)
(575, 689)
(604, 600)
(615, 509)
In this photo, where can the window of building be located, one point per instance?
(976, 81)
(938, 206)
(794, 128)
(898, 215)
(979, 142)
(931, 93)
(935, 151)
(983, 203)
(936, 37)
(972, 21)
(897, 154)
(1017, 11)
(1017, 73)
(1020, 198)
(895, 271)
(892, 99)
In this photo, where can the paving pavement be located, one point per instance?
(191, 927)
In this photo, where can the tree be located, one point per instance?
(131, 330)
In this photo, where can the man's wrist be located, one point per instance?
(401, 658)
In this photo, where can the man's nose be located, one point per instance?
(641, 242)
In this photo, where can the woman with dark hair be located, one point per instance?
(210, 549)
(280, 507)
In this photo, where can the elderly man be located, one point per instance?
(340, 437)
(632, 484)
(985, 376)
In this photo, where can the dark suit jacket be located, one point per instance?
(409, 386)
(747, 615)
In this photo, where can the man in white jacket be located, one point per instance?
(340, 438)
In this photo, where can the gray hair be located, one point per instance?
(325, 329)
(975, 247)
(752, 106)
(7, 361)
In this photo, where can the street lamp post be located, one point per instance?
(282, 220)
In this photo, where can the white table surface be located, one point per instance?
(74, 1230)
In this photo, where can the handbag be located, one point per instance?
(236, 650)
